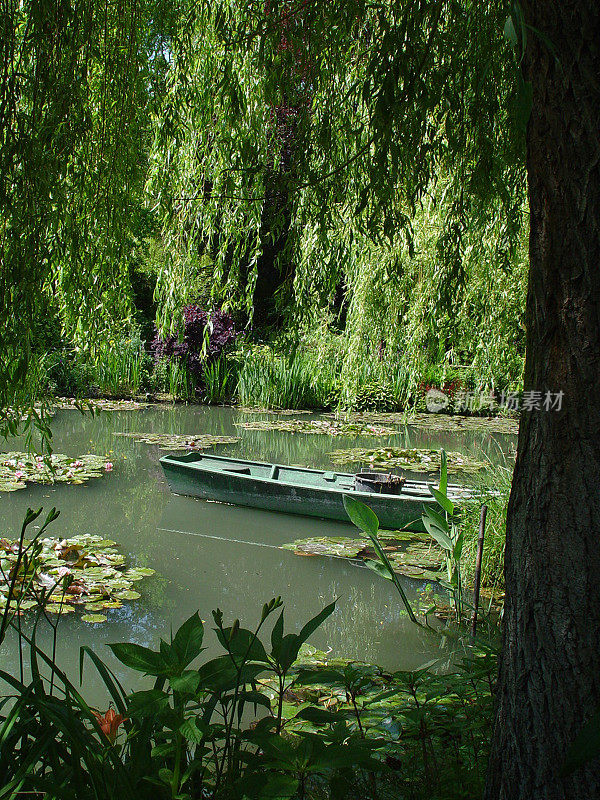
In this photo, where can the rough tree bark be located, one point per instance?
(550, 667)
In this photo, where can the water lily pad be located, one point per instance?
(25, 605)
(415, 558)
(319, 426)
(171, 441)
(136, 573)
(413, 459)
(59, 608)
(98, 404)
(19, 468)
(422, 555)
(84, 571)
(435, 422)
(94, 618)
(341, 546)
(127, 595)
(98, 606)
(288, 412)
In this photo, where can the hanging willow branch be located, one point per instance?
(388, 101)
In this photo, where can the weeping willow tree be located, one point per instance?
(361, 152)
(77, 86)
(407, 308)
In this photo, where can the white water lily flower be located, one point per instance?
(46, 581)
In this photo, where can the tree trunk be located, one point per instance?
(550, 667)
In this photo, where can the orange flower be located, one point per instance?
(109, 723)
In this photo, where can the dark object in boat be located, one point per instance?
(379, 482)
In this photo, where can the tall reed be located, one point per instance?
(118, 366)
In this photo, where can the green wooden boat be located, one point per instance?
(293, 490)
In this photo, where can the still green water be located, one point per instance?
(210, 555)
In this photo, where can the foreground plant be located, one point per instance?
(365, 519)
(443, 527)
(256, 721)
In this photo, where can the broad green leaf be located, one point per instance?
(361, 515)
(244, 644)
(458, 546)
(443, 472)
(318, 715)
(437, 519)
(140, 658)
(148, 703)
(510, 34)
(380, 569)
(438, 534)
(255, 699)
(186, 683)
(277, 635)
(312, 625)
(187, 642)
(443, 500)
(190, 729)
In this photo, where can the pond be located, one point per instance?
(208, 555)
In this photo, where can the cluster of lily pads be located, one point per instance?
(172, 441)
(98, 404)
(83, 572)
(411, 554)
(17, 469)
(435, 422)
(288, 412)
(40, 411)
(414, 459)
(327, 427)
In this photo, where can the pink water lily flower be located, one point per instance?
(77, 464)
(62, 571)
(19, 474)
(108, 466)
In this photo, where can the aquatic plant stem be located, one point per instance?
(478, 567)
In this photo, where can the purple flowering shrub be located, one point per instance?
(206, 334)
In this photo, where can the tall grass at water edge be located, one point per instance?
(295, 380)
(494, 491)
(120, 367)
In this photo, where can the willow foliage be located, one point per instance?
(356, 145)
(75, 90)
(337, 124)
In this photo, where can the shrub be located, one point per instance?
(206, 335)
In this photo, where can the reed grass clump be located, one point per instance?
(494, 491)
(120, 366)
(268, 379)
